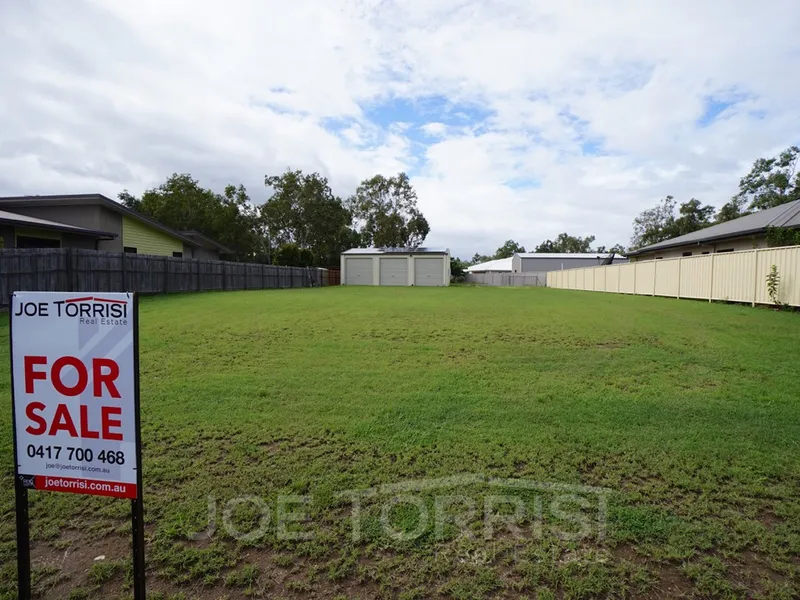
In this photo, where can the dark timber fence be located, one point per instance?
(77, 270)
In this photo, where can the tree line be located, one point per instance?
(302, 223)
(770, 182)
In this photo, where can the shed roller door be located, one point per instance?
(358, 271)
(428, 271)
(394, 271)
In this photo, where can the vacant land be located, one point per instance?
(685, 413)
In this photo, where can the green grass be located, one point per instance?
(687, 412)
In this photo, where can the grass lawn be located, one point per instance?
(686, 414)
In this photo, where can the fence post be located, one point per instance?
(711, 283)
(262, 277)
(655, 268)
(755, 276)
(224, 275)
(634, 278)
(166, 275)
(680, 268)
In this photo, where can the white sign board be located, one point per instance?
(75, 387)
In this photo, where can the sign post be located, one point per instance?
(75, 405)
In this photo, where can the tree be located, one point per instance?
(304, 211)
(182, 204)
(458, 268)
(567, 243)
(478, 258)
(692, 216)
(508, 249)
(386, 212)
(733, 209)
(654, 224)
(772, 181)
(660, 223)
(292, 255)
(616, 249)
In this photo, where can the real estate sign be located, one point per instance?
(75, 392)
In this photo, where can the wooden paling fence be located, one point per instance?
(78, 270)
(730, 276)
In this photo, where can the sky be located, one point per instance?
(514, 119)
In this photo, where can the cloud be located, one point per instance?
(515, 119)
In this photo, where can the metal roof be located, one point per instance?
(82, 199)
(501, 264)
(785, 215)
(408, 250)
(562, 255)
(12, 218)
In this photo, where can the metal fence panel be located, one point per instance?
(729, 276)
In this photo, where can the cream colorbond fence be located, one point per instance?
(731, 276)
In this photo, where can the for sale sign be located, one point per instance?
(75, 392)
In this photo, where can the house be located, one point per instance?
(744, 233)
(501, 265)
(396, 266)
(95, 222)
(542, 262)
(21, 231)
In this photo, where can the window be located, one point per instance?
(129, 249)
(726, 250)
(177, 255)
(686, 254)
(706, 252)
(659, 257)
(26, 241)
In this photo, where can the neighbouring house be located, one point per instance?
(745, 233)
(542, 262)
(396, 266)
(501, 265)
(22, 231)
(96, 222)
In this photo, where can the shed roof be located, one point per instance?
(12, 218)
(501, 264)
(563, 255)
(407, 250)
(785, 215)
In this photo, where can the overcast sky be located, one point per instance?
(515, 119)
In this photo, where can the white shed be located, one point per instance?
(396, 266)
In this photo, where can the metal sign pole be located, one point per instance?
(137, 505)
(20, 495)
(23, 541)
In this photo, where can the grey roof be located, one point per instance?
(785, 215)
(82, 199)
(408, 250)
(560, 255)
(12, 218)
